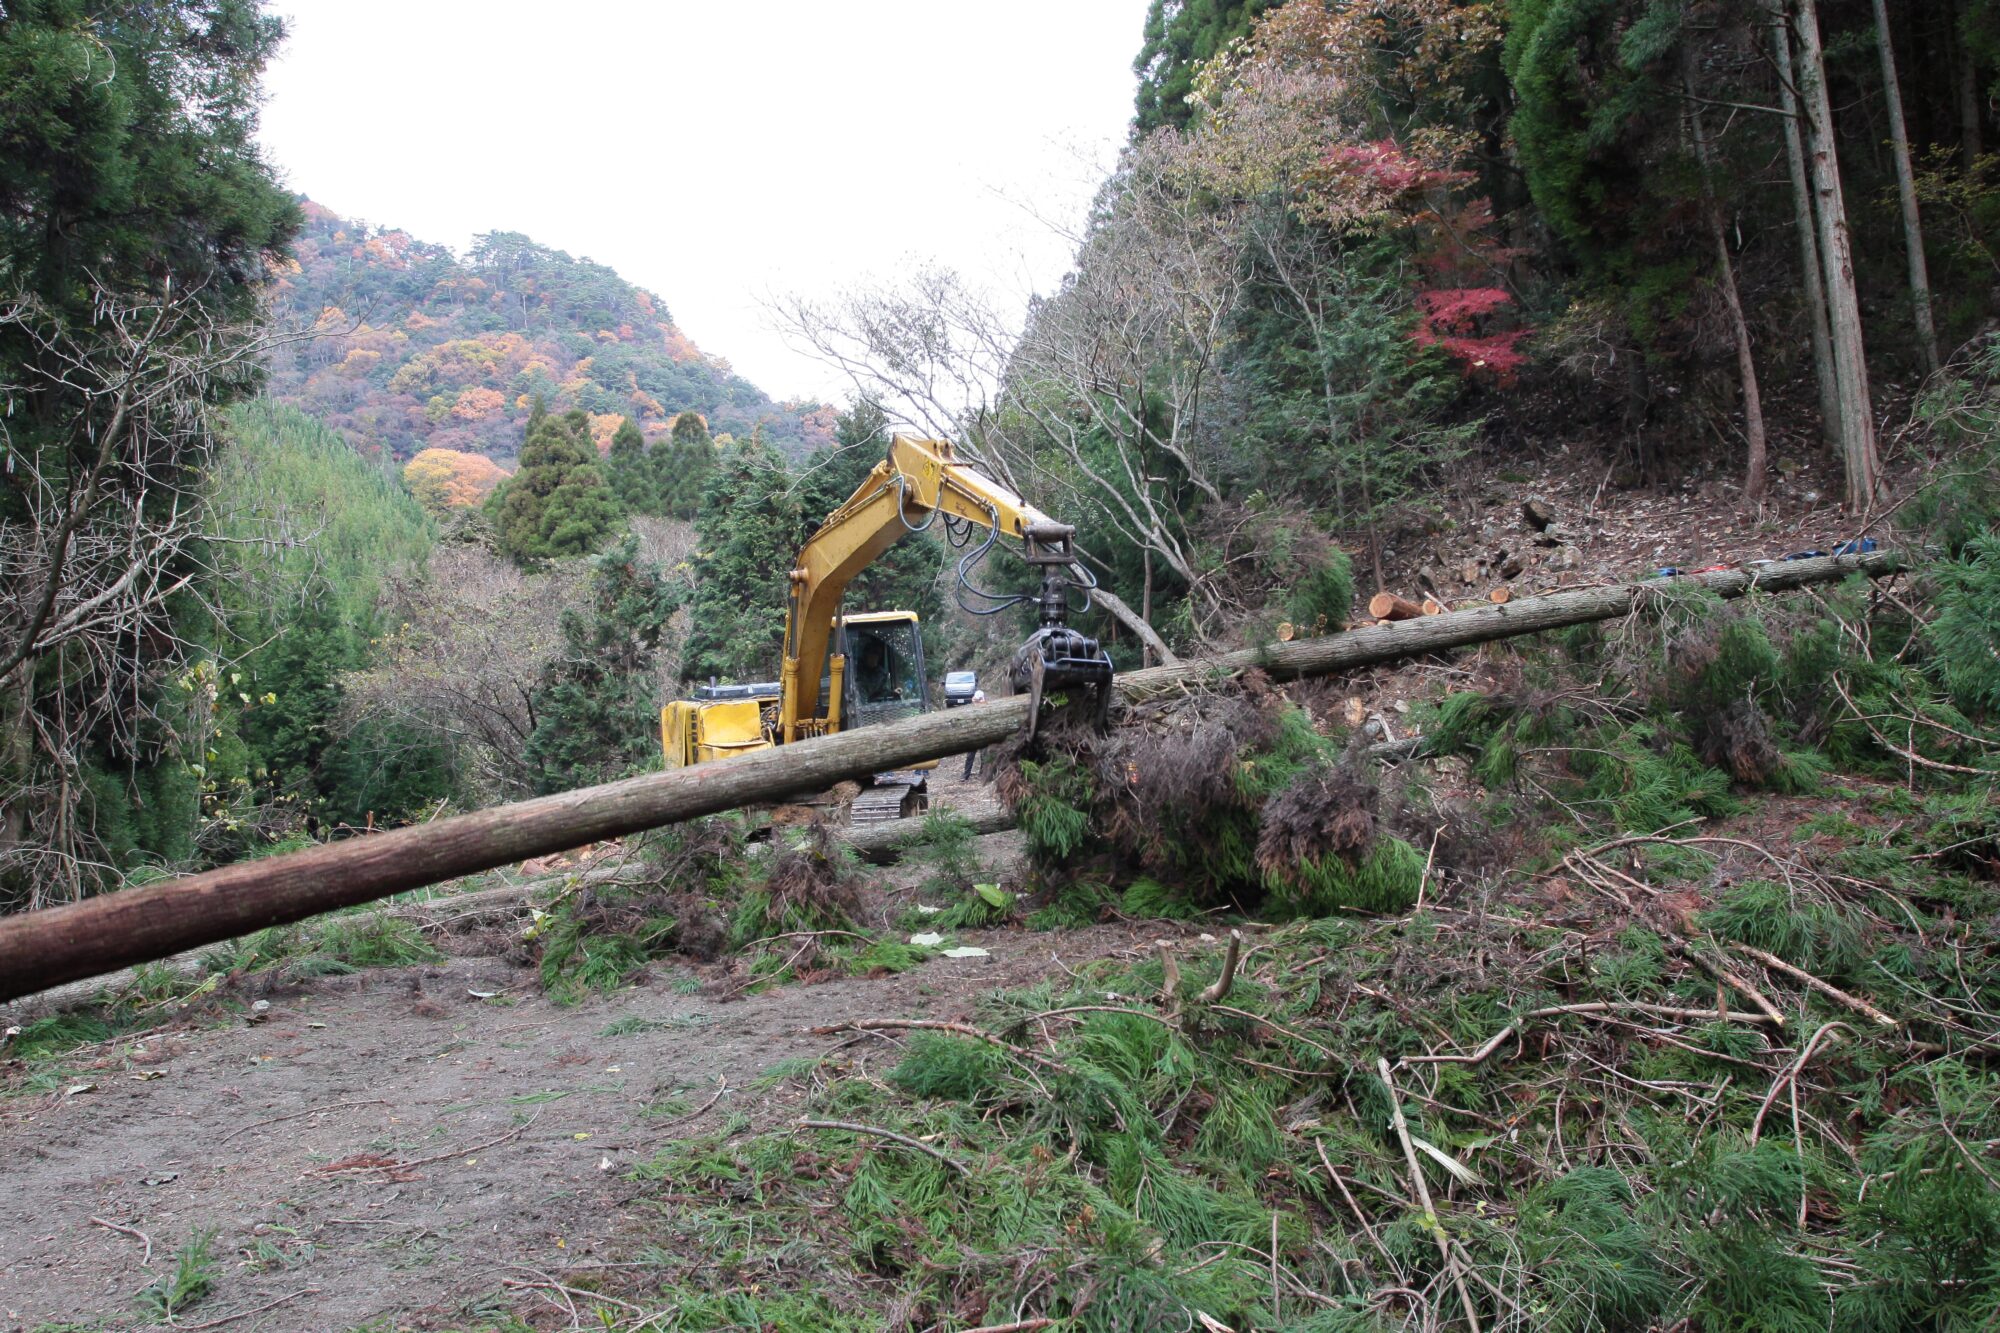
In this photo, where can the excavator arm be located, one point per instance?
(907, 491)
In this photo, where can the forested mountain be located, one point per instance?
(416, 348)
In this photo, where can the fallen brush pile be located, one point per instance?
(1624, 1012)
(1210, 801)
(1669, 1082)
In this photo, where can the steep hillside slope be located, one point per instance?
(418, 348)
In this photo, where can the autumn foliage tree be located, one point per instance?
(421, 347)
(1461, 307)
(445, 479)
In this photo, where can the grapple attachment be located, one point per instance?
(1059, 659)
(1055, 657)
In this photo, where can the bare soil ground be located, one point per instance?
(1603, 535)
(390, 1149)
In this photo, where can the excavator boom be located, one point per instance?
(917, 483)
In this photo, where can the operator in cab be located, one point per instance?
(873, 677)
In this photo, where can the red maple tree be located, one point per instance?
(1475, 323)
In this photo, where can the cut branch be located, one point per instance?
(878, 1132)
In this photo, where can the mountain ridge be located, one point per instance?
(414, 346)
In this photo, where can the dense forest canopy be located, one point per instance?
(137, 219)
(415, 348)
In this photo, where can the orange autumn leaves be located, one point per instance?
(445, 479)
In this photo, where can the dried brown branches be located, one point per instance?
(104, 503)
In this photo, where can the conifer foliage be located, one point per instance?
(597, 703)
(558, 503)
(747, 535)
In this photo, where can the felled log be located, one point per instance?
(1501, 595)
(83, 939)
(1433, 607)
(1388, 606)
(886, 842)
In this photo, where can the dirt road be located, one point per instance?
(392, 1148)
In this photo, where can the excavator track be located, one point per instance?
(891, 797)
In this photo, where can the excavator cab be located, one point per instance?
(882, 658)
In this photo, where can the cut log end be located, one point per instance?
(1501, 595)
(1388, 606)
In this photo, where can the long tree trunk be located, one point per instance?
(1746, 362)
(1857, 413)
(1146, 603)
(137, 925)
(1971, 139)
(1812, 272)
(1906, 191)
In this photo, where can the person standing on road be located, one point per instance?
(972, 756)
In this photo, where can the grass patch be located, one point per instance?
(186, 1283)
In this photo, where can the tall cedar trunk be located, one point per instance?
(1971, 140)
(1812, 272)
(1746, 363)
(1146, 604)
(1906, 191)
(1857, 414)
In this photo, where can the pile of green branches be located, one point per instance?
(1218, 801)
(1766, 1112)
(1676, 716)
(769, 903)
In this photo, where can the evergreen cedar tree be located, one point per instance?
(109, 187)
(746, 536)
(625, 469)
(681, 470)
(1179, 36)
(664, 478)
(597, 701)
(755, 515)
(557, 504)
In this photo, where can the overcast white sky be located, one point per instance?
(712, 152)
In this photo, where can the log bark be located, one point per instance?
(1857, 412)
(1812, 271)
(97, 935)
(885, 843)
(1755, 452)
(1966, 79)
(1124, 615)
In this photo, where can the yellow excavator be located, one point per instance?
(842, 671)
